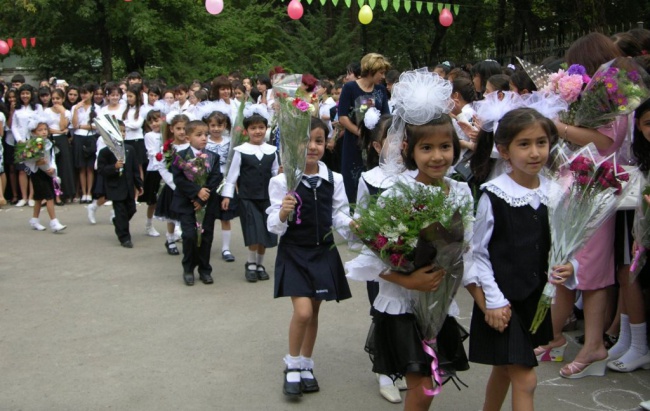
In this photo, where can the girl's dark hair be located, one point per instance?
(640, 145)
(513, 123)
(193, 125)
(110, 88)
(90, 88)
(457, 73)
(32, 99)
(643, 37)
(377, 134)
(501, 82)
(44, 91)
(151, 116)
(201, 95)
(155, 89)
(239, 86)
(354, 68)
(522, 81)
(416, 133)
(628, 44)
(181, 87)
(445, 68)
(219, 83)
(465, 88)
(264, 79)
(318, 123)
(181, 118)
(67, 103)
(59, 93)
(136, 89)
(485, 69)
(254, 119)
(591, 51)
(220, 118)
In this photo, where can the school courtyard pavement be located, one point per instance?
(88, 325)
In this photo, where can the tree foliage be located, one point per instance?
(179, 40)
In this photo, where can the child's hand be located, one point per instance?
(354, 226)
(288, 206)
(119, 164)
(51, 172)
(41, 161)
(425, 279)
(204, 194)
(331, 144)
(140, 191)
(561, 273)
(498, 318)
(225, 203)
(197, 205)
(646, 197)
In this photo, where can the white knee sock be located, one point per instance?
(259, 258)
(624, 339)
(170, 237)
(293, 363)
(306, 364)
(149, 222)
(252, 257)
(225, 240)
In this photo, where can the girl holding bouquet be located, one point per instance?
(631, 350)
(511, 245)
(421, 116)
(308, 267)
(26, 110)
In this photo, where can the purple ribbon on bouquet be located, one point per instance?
(57, 187)
(637, 256)
(295, 194)
(426, 345)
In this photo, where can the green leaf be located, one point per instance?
(448, 6)
(360, 3)
(440, 7)
(322, 2)
(456, 8)
(384, 4)
(418, 6)
(430, 8)
(396, 4)
(407, 5)
(309, 1)
(335, 2)
(348, 3)
(372, 4)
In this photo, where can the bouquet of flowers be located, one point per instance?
(293, 123)
(586, 193)
(196, 169)
(568, 85)
(617, 88)
(641, 233)
(237, 138)
(109, 130)
(32, 149)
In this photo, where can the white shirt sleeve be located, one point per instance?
(277, 191)
(341, 209)
(233, 175)
(481, 272)
(152, 144)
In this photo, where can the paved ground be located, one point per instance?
(88, 325)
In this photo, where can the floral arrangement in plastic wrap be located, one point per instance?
(568, 85)
(195, 169)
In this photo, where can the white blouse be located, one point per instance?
(340, 207)
(153, 144)
(53, 119)
(83, 116)
(392, 298)
(221, 149)
(258, 151)
(515, 195)
(21, 119)
(161, 166)
(134, 125)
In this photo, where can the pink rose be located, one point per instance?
(397, 260)
(380, 242)
(570, 88)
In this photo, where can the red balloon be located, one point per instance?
(4, 47)
(446, 18)
(295, 9)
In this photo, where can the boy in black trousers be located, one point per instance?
(122, 180)
(189, 197)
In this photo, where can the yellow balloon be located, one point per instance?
(365, 14)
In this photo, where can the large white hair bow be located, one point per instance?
(260, 109)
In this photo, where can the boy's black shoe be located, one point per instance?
(262, 275)
(188, 278)
(206, 278)
(251, 273)
(127, 244)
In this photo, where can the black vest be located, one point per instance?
(254, 176)
(519, 248)
(316, 215)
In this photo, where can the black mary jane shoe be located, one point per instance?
(227, 256)
(171, 248)
(308, 385)
(188, 278)
(262, 275)
(251, 275)
(291, 389)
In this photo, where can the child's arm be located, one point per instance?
(341, 208)
(152, 144)
(233, 176)
(131, 123)
(105, 164)
(423, 279)
(276, 165)
(281, 205)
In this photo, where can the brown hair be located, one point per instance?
(629, 45)
(373, 63)
(591, 51)
(219, 83)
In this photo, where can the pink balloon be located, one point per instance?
(295, 9)
(214, 6)
(446, 18)
(4, 47)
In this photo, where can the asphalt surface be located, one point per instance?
(88, 325)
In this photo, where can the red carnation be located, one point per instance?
(159, 156)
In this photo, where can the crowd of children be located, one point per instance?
(428, 125)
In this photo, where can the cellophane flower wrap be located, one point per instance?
(238, 137)
(109, 130)
(415, 225)
(568, 85)
(195, 169)
(617, 88)
(294, 121)
(585, 192)
(32, 149)
(641, 231)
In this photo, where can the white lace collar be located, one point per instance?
(252, 149)
(515, 195)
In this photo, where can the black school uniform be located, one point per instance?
(120, 187)
(308, 263)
